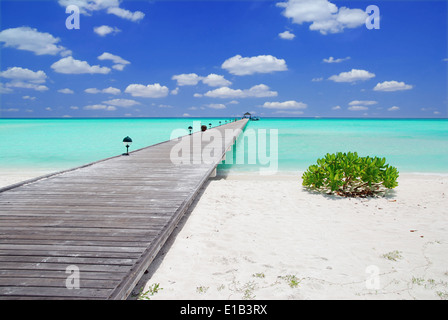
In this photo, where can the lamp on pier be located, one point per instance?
(190, 128)
(127, 142)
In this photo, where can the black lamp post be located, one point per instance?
(219, 122)
(210, 125)
(190, 128)
(127, 142)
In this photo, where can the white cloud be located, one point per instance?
(100, 107)
(28, 98)
(114, 58)
(26, 85)
(149, 91)
(323, 15)
(240, 66)
(187, 79)
(4, 90)
(317, 79)
(10, 110)
(29, 39)
(215, 80)
(285, 105)
(257, 91)
(66, 91)
(105, 30)
(333, 60)
(110, 90)
(392, 86)
(125, 103)
(394, 108)
(352, 76)
(358, 108)
(362, 103)
(175, 91)
(118, 67)
(192, 79)
(336, 108)
(287, 35)
(92, 90)
(68, 65)
(216, 106)
(23, 74)
(120, 63)
(126, 14)
(87, 7)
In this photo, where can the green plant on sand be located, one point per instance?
(349, 175)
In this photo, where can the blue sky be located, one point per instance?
(294, 58)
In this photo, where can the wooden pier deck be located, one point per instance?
(108, 219)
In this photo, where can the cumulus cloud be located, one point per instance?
(394, 108)
(257, 91)
(120, 63)
(87, 7)
(323, 15)
(352, 76)
(24, 74)
(240, 66)
(68, 65)
(285, 105)
(66, 91)
(333, 60)
(105, 30)
(4, 90)
(148, 91)
(26, 85)
(125, 103)
(362, 103)
(23, 78)
(110, 90)
(100, 107)
(287, 35)
(358, 108)
(215, 80)
(30, 39)
(126, 14)
(392, 86)
(192, 79)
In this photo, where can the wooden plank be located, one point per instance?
(109, 218)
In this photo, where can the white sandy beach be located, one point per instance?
(264, 237)
(253, 237)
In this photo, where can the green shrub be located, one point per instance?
(349, 175)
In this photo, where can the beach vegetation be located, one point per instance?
(152, 290)
(349, 175)
(394, 256)
(291, 279)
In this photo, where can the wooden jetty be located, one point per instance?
(105, 221)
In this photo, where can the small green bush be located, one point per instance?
(349, 175)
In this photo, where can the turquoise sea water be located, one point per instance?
(55, 144)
